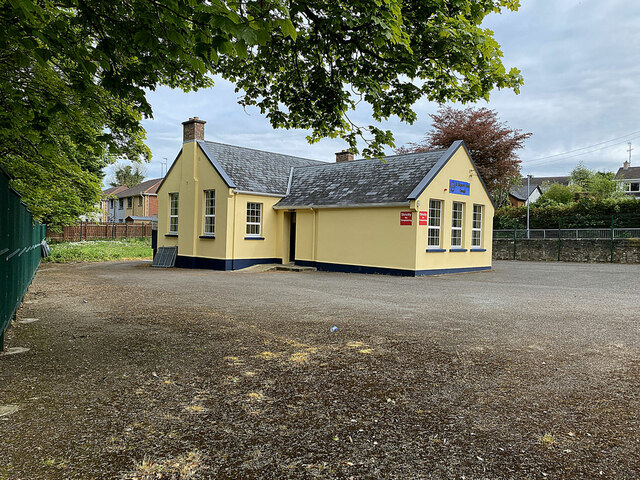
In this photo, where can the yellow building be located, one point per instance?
(227, 207)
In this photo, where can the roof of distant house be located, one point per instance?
(521, 192)
(113, 190)
(631, 173)
(148, 187)
(562, 180)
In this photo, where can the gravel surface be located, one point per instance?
(529, 371)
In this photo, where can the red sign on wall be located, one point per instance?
(406, 218)
(422, 218)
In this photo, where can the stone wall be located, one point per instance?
(624, 250)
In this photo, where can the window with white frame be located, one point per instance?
(435, 217)
(476, 227)
(456, 225)
(173, 213)
(254, 219)
(209, 212)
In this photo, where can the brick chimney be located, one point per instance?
(344, 156)
(193, 129)
(626, 165)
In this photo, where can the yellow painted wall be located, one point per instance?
(190, 177)
(365, 236)
(272, 226)
(459, 167)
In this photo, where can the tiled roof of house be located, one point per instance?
(360, 182)
(629, 173)
(254, 170)
(149, 187)
(521, 192)
(113, 190)
(562, 180)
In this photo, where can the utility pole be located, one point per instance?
(629, 150)
(163, 171)
(528, 201)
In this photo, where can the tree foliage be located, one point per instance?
(581, 176)
(74, 73)
(557, 194)
(492, 145)
(127, 175)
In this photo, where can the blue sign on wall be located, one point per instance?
(461, 188)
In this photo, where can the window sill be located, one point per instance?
(170, 234)
(478, 249)
(457, 249)
(435, 250)
(208, 236)
(254, 238)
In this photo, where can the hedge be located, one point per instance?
(585, 213)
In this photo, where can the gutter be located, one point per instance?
(351, 205)
(262, 194)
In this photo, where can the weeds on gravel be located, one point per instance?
(548, 440)
(183, 467)
(100, 250)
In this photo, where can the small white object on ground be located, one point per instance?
(24, 321)
(13, 351)
(8, 410)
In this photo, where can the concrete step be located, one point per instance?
(290, 267)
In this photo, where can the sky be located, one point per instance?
(581, 66)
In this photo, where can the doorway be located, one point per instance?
(292, 236)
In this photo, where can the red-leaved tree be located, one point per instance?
(492, 145)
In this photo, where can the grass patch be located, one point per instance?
(100, 250)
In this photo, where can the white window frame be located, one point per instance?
(476, 226)
(173, 214)
(253, 227)
(209, 213)
(434, 229)
(457, 224)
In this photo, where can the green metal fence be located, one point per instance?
(20, 251)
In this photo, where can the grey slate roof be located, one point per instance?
(562, 180)
(254, 170)
(360, 182)
(630, 173)
(521, 192)
(149, 186)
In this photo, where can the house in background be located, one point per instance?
(518, 196)
(138, 201)
(106, 201)
(630, 178)
(227, 207)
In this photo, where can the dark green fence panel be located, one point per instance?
(20, 252)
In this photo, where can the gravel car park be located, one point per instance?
(527, 371)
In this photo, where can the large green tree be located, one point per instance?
(74, 73)
(129, 175)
